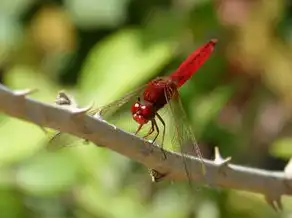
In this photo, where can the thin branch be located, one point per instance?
(220, 173)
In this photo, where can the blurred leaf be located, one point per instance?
(166, 203)
(101, 13)
(18, 140)
(11, 204)
(208, 76)
(164, 25)
(208, 209)
(287, 201)
(6, 178)
(14, 8)
(21, 77)
(208, 108)
(48, 174)
(203, 21)
(26, 138)
(248, 204)
(282, 148)
(97, 201)
(9, 34)
(120, 63)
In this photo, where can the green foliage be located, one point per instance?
(118, 64)
(114, 47)
(47, 174)
(282, 148)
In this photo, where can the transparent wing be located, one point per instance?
(62, 140)
(110, 109)
(111, 112)
(183, 139)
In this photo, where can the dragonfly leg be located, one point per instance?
(139, 128)
(153, 121)
(163, 123)
(163, 133)
(157, 129)
(50, 143)
(151, 130)
(54, 136)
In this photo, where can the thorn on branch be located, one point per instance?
(156, 176)
(81, 111)
(22, 94)
(25, 92)
(274, 202)
(69, 102)
(64, 99)
(288, 175)
(221, 162)
(274, 180)
(288, 169)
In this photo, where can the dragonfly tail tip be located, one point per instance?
(214, 41)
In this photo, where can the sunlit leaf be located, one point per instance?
(47, 174)
(101, 13)
(21, 77)
(97, 201)
(172, 21)
(282, 147)
(209, 107)
(18, 140)
(119, 64)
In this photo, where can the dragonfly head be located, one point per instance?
(142, 113)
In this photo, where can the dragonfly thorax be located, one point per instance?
(142, 113)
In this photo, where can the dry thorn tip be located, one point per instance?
(156, 176)
(25, 92)
(219, 160)
(81, 111)
(288, 169)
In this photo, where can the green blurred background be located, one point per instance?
(98, 50)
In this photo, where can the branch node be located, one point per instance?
(274, 202)
(156, 176)
(24, 92)
(64, 99)
(220, 161)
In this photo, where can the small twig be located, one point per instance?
(221, 173)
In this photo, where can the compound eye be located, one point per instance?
(135, 107)
(140, 119)
(146, 111)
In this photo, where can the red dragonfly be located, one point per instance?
(147, 101)
(152, 97)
